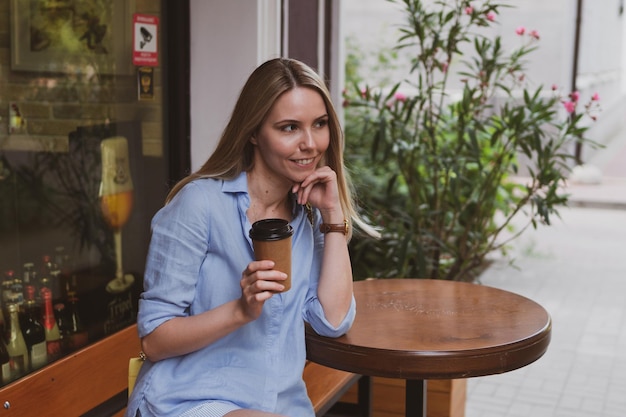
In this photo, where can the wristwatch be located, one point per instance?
(337, 227)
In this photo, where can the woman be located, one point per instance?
(219, 336)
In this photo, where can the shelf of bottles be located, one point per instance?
(42, 316)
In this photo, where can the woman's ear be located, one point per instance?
(253, 140)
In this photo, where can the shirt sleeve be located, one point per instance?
(178, 245)
(313, 310)
(317, 319)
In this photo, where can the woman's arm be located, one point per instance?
(335, 282)
(182, 335)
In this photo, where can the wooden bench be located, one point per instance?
(93, 382)
(325, 386)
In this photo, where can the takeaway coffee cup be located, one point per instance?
(271, 239)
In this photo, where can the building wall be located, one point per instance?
(229, 38)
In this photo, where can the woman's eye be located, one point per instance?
(321, 123)
(289, 128)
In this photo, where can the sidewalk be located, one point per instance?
(576, 269)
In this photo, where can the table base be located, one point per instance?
(415, 402)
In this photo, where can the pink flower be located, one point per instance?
(555, 87)
(491, 16)
(469, 10)
(575, 96)
(399, 97)
(363, 92)
(595, 97)
(520, 30)
(444, 66)
(534, 34)
(570, 106)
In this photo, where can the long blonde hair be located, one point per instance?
(234, 152)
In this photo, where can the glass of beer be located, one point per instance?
(116, 201)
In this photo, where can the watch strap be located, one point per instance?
(335, 227)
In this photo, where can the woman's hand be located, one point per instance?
(321, 191)
(258, 283)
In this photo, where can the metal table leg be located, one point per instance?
(415, 398)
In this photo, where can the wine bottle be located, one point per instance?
(77, 334)
(28, 273)
(5, 363)
(45, 270)
(17, 289)
(53, 335)
(16, 346)
(7, 286)
(3, 325)
(63, 321)
(35, 336)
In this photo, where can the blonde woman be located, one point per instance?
(220, 337)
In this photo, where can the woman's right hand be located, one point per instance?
(259, 281)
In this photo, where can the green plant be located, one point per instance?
(434, 155)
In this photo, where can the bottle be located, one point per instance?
(60, 312)
(7, 286)
(35, 336)
(3, 325)
(62, 261)
(28, 273)
(16, 346)
(55, 280)
(45, 274)
(18, 290)
(5, 363)
(76, 332)
(53, 335)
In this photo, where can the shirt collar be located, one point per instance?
(238, 184)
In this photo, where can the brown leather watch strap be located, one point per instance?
(336, 227)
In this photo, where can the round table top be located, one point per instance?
(431, 329)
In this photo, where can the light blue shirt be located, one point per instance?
(198, 251)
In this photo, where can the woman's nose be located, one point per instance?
(307, 141)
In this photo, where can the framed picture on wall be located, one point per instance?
(72, 36)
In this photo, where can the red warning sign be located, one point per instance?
(145, 33)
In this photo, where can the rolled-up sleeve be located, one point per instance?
(316, 318)
(179, 243)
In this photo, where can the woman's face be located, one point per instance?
(293, 138)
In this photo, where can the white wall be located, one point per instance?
(229, 38)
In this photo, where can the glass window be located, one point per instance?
(83, 165)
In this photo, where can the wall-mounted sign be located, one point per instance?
(145, 31)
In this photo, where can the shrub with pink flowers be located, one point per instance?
(438, 156)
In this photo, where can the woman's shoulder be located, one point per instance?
(200, 186)
(196, 193)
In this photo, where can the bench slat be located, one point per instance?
(326, 385)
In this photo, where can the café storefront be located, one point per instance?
(96, 116)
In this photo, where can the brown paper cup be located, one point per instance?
(271, 239)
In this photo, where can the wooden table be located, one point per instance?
(419, 329)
